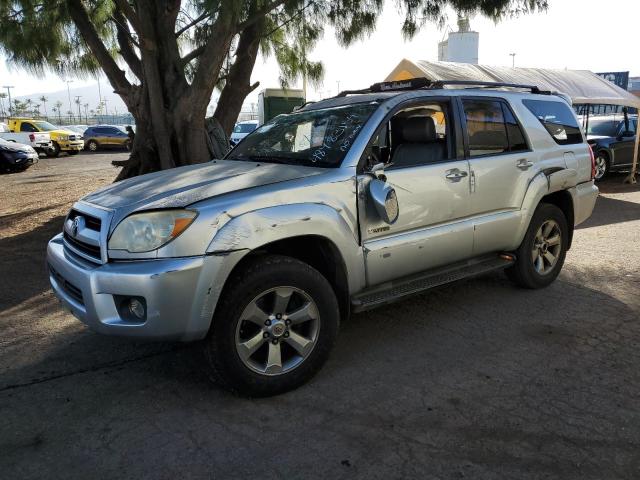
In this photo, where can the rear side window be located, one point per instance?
(492, 128)
(558, 119)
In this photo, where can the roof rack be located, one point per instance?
(422, 82)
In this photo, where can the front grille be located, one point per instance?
(91, 223)
(69, 288)
(90, 250)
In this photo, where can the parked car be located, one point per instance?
(77, 128)
(40, 142)
(345, 205)
(62, 139)
(241, 130)
(16, 157)
(98, 137)
(612, 142)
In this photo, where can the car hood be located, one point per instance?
(15, 147)
(179, 187)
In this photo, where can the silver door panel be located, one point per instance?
(496, 232)
(399, 255)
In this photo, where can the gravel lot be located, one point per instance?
(477, 380)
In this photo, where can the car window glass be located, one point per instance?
(319, 138)
(558, 120)
(486, 127)
(27, 127)
(517, 142)
(414, 136)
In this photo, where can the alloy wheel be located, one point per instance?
(277, 331)
(547, 246)
(601, 167)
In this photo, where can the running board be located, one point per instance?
(397, 289)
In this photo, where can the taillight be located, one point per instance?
(593, 163)
(32, 137)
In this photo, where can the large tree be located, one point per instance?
(165, 58)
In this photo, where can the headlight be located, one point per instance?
(143, 232)
(63, 138)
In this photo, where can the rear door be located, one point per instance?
(501, 167)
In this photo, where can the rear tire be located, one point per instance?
(603, 166)
(273, 328)
(541, 254)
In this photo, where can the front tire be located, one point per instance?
(273, 329)
(92, 146)
(54, 151)
(541, 254)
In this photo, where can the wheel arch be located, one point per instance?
(564, 201)
(315, 250)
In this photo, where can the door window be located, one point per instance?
(27, 127)
(486, 127)
(415, 136)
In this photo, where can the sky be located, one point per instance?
(573, 34)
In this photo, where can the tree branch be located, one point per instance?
(193, 54)
(124, 41)
(130, 14)
(194, 22)
(258, 14)
(111, 69)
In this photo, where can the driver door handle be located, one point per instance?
(524, 164)
(455, 175)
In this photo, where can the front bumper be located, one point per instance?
(180, 293)
(71, 145)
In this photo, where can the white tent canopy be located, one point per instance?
(582, 86)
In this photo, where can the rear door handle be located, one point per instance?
(524, 164)
(455, 175)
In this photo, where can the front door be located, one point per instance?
(432, 188)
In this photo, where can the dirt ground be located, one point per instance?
(476, 380)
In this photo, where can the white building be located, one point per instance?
(461, 46)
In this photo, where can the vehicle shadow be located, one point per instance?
(611, 210)
(22, 260)
(478, 370)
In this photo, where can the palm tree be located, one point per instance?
(44, 101)
(28, 104)
(58, 105)
(2, 97)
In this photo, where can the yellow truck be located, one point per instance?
(61, 140)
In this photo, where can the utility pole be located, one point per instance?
(9, 87)
(69, 94)
(513, 60)
(99, 92)
(338, 82)
(78, 97)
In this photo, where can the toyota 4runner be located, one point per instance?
(344, 205)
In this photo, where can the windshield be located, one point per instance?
(603, 128)
(244, 128)
(44, 126)
(318, 138)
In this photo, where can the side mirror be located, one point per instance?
(384, 199)
(628, 134)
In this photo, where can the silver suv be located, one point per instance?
(347, 204)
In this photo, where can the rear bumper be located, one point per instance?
(180, 293)
(584, 199)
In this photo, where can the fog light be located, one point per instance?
(136, 308)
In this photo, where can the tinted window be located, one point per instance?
(27, 127)
(558, 119)
(602, 127)
(517, 142)
(244, 127)
(486, 127)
